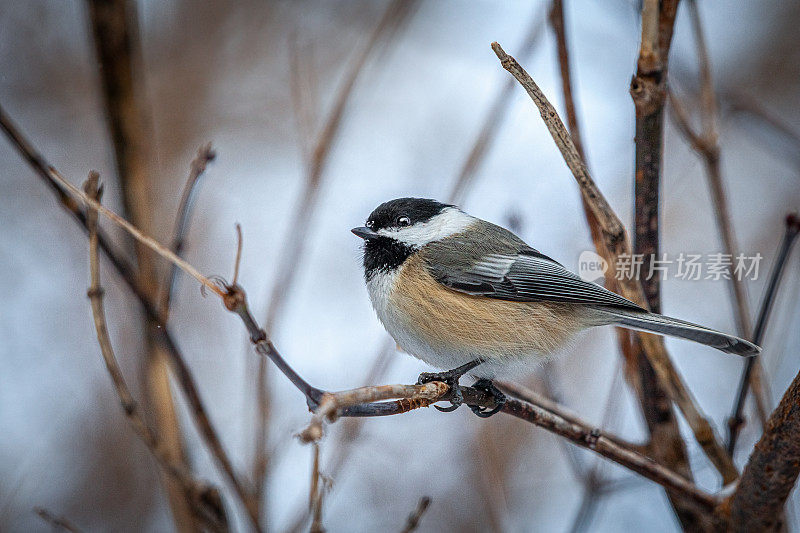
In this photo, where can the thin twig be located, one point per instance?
(238, 259)
(319, 485)
(332, 403)
(146, 240)
(58, 522)
(618, 244)
(790, 235)
(198, 166)
(414, 518)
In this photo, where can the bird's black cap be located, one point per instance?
(417, 210)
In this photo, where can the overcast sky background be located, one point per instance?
(219, 71)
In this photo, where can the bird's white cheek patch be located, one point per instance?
(447, 223)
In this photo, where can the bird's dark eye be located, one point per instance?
(403, 221)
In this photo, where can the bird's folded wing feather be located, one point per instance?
(526, 276)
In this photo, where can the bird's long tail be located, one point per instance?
(664, 325)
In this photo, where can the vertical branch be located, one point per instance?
(205, 501)
(648, 91)
(616, 244)
(667, 445)
(114, 25)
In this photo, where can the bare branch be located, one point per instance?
(771, 473)
(332, 403)
(616, 244)
(319, 486)
(183, 375)
(790, 235)
(198, 166)
(146, 240)
(193, 490)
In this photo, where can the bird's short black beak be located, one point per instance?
(365, 233)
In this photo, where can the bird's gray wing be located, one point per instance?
(524, 276)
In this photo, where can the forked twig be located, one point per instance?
(183, 375)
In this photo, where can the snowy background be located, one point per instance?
(219, 71)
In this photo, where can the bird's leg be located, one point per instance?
(486, 385)
(450, 377)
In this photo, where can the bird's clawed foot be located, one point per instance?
(486, 385)
(450, 377)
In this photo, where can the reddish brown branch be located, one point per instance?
(771, 473)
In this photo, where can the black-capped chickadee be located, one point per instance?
(459, 292)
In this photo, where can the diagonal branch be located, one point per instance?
(617, 244)
(666, 443)
(771, 473)
(125, 270)
(199, 496)
(790, 235)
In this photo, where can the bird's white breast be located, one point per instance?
(447, 329)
